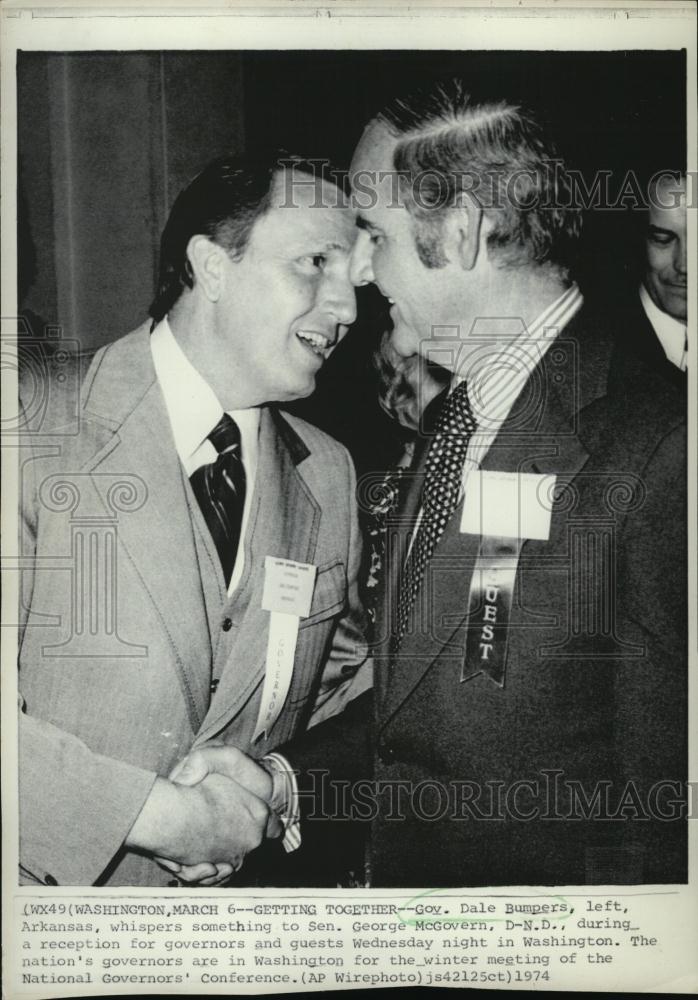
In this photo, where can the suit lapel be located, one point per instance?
(157, 536)
(284, 522)
(540, 435)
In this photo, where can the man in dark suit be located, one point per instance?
(162, 475)
(528, 718)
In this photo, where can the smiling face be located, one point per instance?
(287, 302)
(665, 246)
(426, 302)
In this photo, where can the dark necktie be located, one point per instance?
(440, 495)
(220, 491)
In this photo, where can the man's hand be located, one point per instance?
(214, 758)
(217, 758)
(216, 819)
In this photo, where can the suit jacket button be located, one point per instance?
(227, 624)
(50, 880)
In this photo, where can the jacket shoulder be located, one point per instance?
(50, 380)
(639, 394)
(53, 382)
(624, 390)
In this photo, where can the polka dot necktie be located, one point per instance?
(220, 491)
(440, 496)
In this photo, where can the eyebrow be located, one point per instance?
(312, 247)
(659, 230)
(363, 223)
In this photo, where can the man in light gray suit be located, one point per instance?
(165, 499)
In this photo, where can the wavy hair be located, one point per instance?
(451, 144)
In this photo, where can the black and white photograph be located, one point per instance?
(352, 467)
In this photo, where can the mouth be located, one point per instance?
(319, 344)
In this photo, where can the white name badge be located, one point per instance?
(508, 504)
(288, 586)
(288, 595)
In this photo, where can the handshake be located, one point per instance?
(202, 821)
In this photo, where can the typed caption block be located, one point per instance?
(225, 943)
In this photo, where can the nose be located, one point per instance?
(361, 262)
(340, 297)
(680, 257)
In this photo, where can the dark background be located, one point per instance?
(106, 140)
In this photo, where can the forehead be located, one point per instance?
(668, 206)
(375, 149)
(374, 181)
(305, 214)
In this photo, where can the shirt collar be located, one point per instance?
(192, 405)
(497, 382)
(671, 332)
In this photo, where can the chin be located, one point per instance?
(301, 391)
(404, 343)
(675, 305)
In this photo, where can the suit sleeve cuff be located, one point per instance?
(284, 799)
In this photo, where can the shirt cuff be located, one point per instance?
(284, 799)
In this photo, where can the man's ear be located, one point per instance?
(464, 227)
(206, 260)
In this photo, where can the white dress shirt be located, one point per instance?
(494, 387)
(194, 411)
(671, 333)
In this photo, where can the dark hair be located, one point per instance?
(450, 143)
(223, 202)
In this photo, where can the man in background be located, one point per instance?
(655, 326)
(163, 491)
(663, 290)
